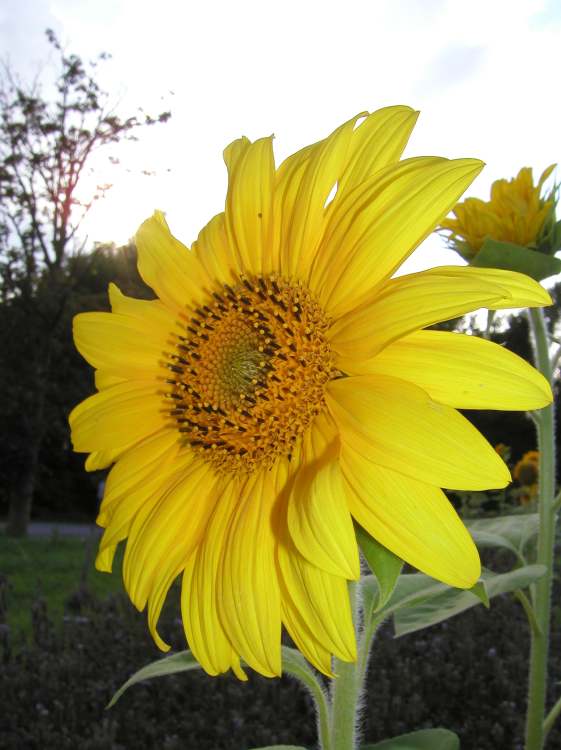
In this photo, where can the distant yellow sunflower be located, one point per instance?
(516, 213)
(282, 384)
(526, 470)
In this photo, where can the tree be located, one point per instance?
(62, 486)
(45, 148)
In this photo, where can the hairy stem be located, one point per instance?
(540, 638)
(346, 692)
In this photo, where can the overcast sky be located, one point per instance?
(484, 74)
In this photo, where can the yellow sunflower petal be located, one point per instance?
(153, 312)
(318, 517)
(102, 459)
(375, 227)
(105, 380)
(249, 202)
(235, 151)
(138, 465)
(116, 417)
(343, 160)
(317, 174)
(409, 303)
(395, 424)
(304, 638)
(131, 487)
(378, 141)
(248, 591)
(519, 290)
(162, 539)
(286, 195)
(105, 557)
(203, 629)
(412, 519)
(215, 253)
(121, 344)
(465, 372)
(167, 266)
(308, 594)
(118, 517)
(318, 602)
(157, 598)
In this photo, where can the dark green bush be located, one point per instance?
(468, 674)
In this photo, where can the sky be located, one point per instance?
(483, 74)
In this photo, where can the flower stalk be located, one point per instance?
(347, 690)
(535, 734)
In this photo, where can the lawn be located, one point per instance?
(53, 569)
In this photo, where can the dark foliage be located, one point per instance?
(468, 674)
(56, 690)
(62, 487)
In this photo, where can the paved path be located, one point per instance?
(52, 528)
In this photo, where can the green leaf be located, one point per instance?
(183, 661)
(413, 589)
(511, 532)
(452, 602)
(410, 589)
(384, 564)
(424, 739)
(281, 747)
(495, 254)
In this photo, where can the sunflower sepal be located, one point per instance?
(479, 589)
(385, 566)
(549, 241)
(510, 257)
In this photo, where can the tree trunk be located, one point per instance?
(21, 495)
(32, 423)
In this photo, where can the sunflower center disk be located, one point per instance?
(249, 374)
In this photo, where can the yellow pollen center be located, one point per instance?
(249, 374)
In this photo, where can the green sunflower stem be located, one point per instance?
(346, 691)
(539, 650)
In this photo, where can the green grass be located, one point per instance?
(51, 568)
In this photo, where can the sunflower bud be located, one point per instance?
(516, 230)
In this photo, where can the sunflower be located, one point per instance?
(282, 384)
(516, 213)
(526, 470)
